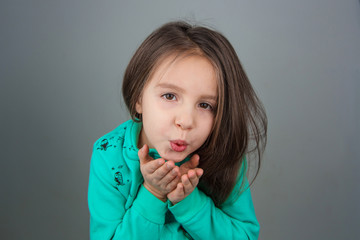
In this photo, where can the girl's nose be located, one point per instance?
(185, 119)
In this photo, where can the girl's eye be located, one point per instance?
(169, 96)
(206, 106)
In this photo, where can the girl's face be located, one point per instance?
(177, 106)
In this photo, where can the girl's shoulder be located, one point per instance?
(111, 158)
(115, 139)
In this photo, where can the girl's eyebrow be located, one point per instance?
(181, 90)
(171, 86)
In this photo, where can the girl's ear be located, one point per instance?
(138, 106)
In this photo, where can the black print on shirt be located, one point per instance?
(118, 177)
(130, 148)
(104, 145)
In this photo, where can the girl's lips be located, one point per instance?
(178, 145)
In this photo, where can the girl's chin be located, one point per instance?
(174, 156)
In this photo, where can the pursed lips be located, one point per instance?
(178, 145)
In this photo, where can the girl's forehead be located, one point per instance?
(182, 65)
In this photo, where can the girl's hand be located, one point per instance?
(160, 177)
(191, 164)
(189, 180)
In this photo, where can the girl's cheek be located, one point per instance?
(206, 114)
(166, 105)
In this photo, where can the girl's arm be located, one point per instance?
(116, 214)
(200, 217)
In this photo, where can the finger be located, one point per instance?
(172, 178)
(180, 190)
(194, 161)
(191, 174)
(177, 195)
(191, 164)
(193, 178)
(162, 171)
(143, 154)
(199, 172)
(152, 166)
(187, 183)
(190, 181)
(170, 175)
(173, 184)
(147, 162)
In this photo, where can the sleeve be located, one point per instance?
(109, 218)
(235, 219)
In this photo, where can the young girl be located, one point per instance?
(177, 170)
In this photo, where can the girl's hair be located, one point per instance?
(240, 124)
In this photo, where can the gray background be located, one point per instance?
(61, 67)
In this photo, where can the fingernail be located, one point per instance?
(168, 166)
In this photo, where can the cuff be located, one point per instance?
(149, 206)
(186, 209)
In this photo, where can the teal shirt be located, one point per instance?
(122, 208)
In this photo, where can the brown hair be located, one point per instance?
(240, 125)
